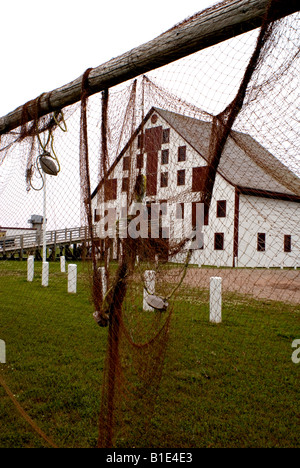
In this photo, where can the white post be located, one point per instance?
(45, 274)
(2, 352)
(63, 264)
(45, 220)
(72, 279)
(30, 268)
(103, 280)
(149, 278)
(216, 300)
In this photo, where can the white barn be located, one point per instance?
(254, 215)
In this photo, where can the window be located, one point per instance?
(166, 135)
(219, 241)
(204, 214)
(140, 161)
(140, 186)
(106, 224)
(110, 189)
(97, 216)
(287, 243)
(163, 206)
(126, 163)
(154, 118)
(164, 179)
(181, 153)
(180, 211)
(165, 157)
(109, 221)
(181, 177)
(125, 184)
(221, 209)
(261, 242)
(153, 139)
(199, 177)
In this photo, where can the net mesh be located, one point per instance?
(176, 195)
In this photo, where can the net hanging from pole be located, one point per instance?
(189, 168)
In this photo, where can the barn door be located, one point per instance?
(152, 163)
(153, 142)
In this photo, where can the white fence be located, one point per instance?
(35, 240)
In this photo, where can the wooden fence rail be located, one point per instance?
(30, 242)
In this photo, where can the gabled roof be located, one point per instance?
(245, 163)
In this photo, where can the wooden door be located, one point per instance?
(153, 142)
(151, 172)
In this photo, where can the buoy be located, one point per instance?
(156, 302)
(48, 164)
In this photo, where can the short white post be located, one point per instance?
(63, 264)
(216, 300)
(45, 274)
(103, 280)
(30, 268)
(2, 352)
(149, 278)
(72, 279)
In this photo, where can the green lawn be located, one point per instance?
(227, 385)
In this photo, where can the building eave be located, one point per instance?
(268, 194)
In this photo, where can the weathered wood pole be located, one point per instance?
(209, 27)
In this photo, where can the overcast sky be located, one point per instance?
(45, 45)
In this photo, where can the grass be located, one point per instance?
(227, 385)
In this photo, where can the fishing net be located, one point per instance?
(162, 189)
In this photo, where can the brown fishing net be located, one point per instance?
(188, 173)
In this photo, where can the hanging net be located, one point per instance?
(176, 196)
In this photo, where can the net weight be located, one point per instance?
(169, 457)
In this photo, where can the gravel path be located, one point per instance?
(278, 285)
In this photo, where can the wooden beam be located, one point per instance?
(212, 26)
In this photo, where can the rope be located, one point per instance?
(60, 122)
(25, 415)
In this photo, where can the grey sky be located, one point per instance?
(47, 47)
(48, 44)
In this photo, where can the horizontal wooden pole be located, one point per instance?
(212, 26)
